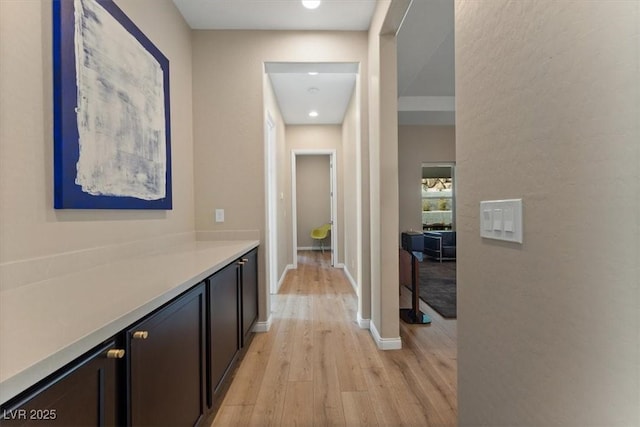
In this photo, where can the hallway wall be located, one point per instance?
(547, 108)
(38, 241)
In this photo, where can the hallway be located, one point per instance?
(316, 367)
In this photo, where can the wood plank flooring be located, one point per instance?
(316, 367)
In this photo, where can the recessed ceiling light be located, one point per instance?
(313, 73)
(313, 114)
(313, 90)
(311, 4)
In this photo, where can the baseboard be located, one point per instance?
(284, 274)
(262, 326)
(350, 278)
(384, 343)
(363, 323)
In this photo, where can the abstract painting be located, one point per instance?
(111, 111)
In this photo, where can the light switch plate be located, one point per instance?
(501, 220)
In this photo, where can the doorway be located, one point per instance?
(438, 196)
(314, 200)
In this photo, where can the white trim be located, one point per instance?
(359, 232)
(262, 326)
(284, 274)
(313, 248)
(384, 343)
(363, 323)
(334, 199)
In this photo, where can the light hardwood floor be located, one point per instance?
(316, 367)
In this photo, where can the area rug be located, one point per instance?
(438, 286)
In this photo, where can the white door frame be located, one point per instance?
(271, 228)
(334, 200)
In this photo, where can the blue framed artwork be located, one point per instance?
(112, 130)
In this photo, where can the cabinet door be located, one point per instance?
(166, 364)
(84, 394)
(224, 320)
(249, 292)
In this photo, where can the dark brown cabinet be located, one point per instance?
(249, 286)
(223, 323)
(166, 364)
(233, 310)
(170, 368)
(84, 394)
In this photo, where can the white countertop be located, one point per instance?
(45, 325)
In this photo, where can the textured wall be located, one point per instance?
(418, 145)
(29, 226)
(548, 106)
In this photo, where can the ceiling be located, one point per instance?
(426, 88)
(327, 90)
(337, 15)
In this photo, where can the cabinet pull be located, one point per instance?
(241, 262)
(115, 353)
(245, 260)
(140, 335)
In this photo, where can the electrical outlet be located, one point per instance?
(219, 215)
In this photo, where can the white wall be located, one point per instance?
(37, 241)
(418, 145)
(547, 109)
(313, 197)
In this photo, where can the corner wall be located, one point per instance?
(548, 108)
(383, 172)
(37, 241)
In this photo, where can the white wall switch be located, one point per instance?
(487, 220)
(219, 215)
(507, 219)
(501, 220)
(497, 220)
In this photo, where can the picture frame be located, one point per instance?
(112, 130)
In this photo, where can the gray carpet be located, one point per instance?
(438, 286)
